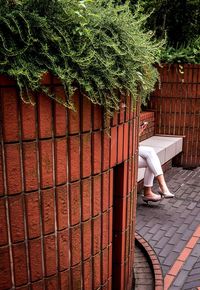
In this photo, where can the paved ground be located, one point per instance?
(143, 274)
(172, 228)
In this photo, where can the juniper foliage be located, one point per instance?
(94, 46)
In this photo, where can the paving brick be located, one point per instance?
(148, 236)
(162, 242)
(189, 219)
(170, 259)
(185, 213)
(178, 203)
(197, 265)
(166, 226)
(197, 218)
(180, 278)
(153, 223)
(153, 243)
(165, 269)
(191, 285)
(141, 225)
(172, 223)
(143, 280)
(179, 210)
(193, 195)
(182, 228)
(174, 240)
(144, 230)
(171, 231)
(195, 277)
(192, 205)
(194, 225)
(143, 270)
(141, 287)
(190, 263)
(179, 246)
(161, 259)
(196, 251)
(194, 272)
(197, 198)
(187, 235)
(158, 235)
(166, 250)
(195, 211)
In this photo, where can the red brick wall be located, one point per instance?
(176, 104)
(150, 130)
(67, 194)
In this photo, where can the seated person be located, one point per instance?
(148, 159)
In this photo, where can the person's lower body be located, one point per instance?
(149, 160)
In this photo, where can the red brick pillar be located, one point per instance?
(67, 194)
(176, 103)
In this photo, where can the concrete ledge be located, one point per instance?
(166, 148)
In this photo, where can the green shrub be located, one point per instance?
(94, 46)
(183, 54)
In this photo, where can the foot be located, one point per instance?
(166, 193)
(151, 197)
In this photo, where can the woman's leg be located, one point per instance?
(148, 174)
(148, 181)
(153, 162)
(149, 154)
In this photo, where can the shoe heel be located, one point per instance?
(145, 200)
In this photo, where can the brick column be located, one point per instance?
(63, 223)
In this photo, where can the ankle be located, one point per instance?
(147, 191)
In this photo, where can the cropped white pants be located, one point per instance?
(149, 159)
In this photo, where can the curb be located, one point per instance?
(154, 262)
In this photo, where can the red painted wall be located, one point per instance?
(67, 193)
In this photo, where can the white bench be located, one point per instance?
(166, 148)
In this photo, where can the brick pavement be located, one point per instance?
(172, 228)
(143, 273)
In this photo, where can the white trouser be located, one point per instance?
(148, 159)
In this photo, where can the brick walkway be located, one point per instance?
(172, 228)
(143, 273)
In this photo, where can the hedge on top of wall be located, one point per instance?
(94, 46)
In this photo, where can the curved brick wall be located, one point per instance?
(176, 104)
(67, 194)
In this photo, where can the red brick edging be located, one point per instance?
(181, 259)
(157, 270)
